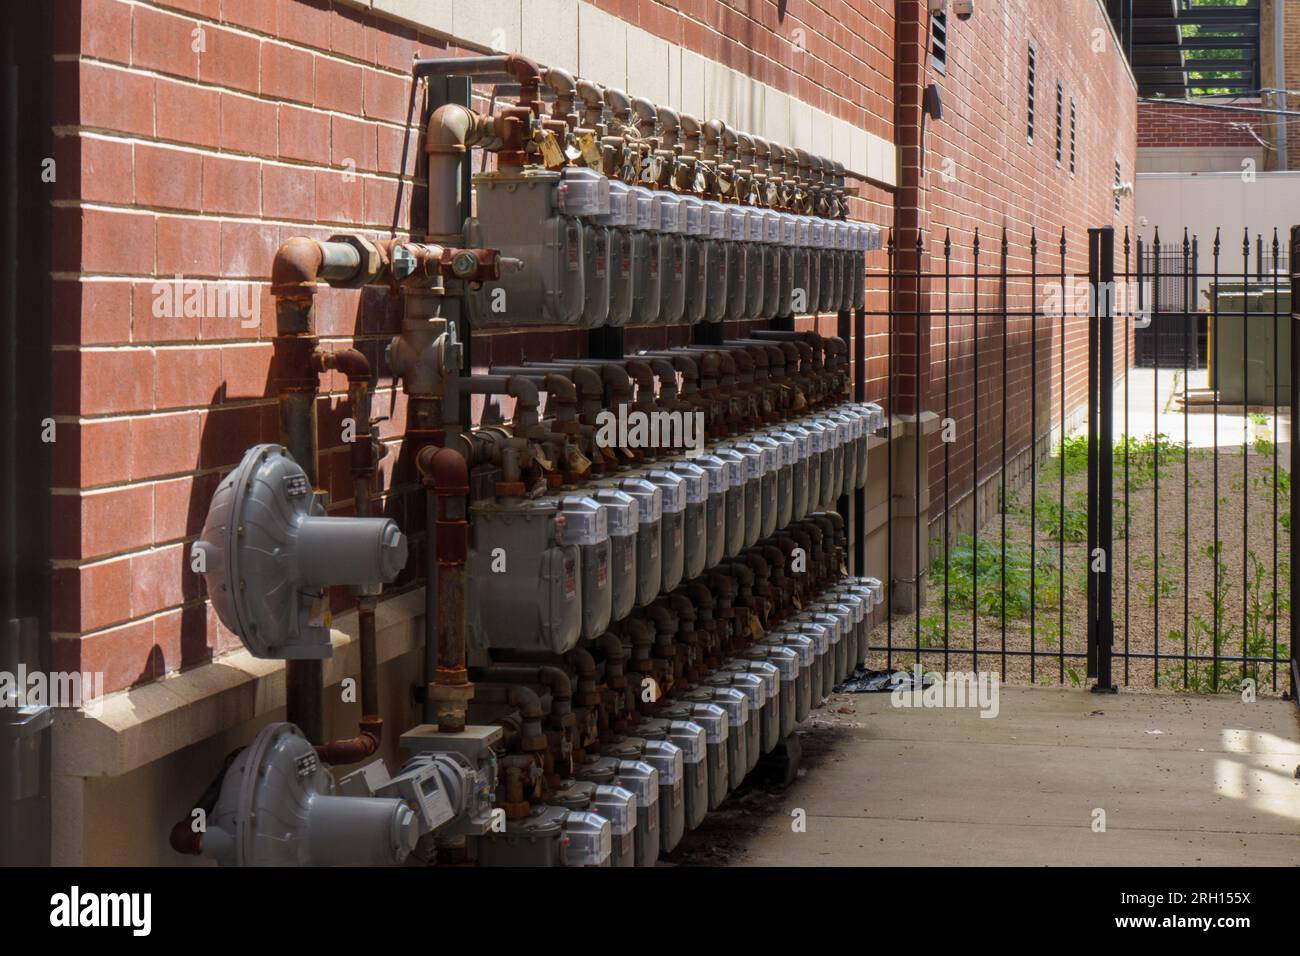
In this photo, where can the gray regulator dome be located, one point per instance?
(267, 553)
(278, 807)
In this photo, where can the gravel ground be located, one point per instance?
(1187, 500)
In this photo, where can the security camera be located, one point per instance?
(1123, 189)
(963, 9)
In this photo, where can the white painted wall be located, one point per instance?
(576, 36)
(1230, 202)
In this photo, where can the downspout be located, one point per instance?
(1279, 80)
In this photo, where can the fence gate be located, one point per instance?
(1094, 519)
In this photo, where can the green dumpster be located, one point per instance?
(1250, 341)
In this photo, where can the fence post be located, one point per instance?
(1101, 443)
(1291, 457)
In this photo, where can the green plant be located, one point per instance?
(975, 574)
(1209, 640)
(1073, 526)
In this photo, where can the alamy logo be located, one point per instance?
(954, 689)
(131, 910)
(70, 689)
(634, 428)
(190, 299)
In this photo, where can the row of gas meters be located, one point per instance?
(545, 572)
(635, 797)
(596, 251)
(628, 800)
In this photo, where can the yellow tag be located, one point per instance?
(755, 628)
(796, 602)
(552, 154)
(590, 150)
(578, 463)
(546, 463)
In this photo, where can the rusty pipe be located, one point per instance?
(445, 474)
(593, 102)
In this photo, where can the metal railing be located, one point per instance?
(1089, 520)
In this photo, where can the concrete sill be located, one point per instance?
(139, 726)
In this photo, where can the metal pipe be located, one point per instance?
(298, 265)
(446, 478)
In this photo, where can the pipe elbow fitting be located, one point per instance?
(561, 82)
(444, 470)
(664, 620)
(591, 93)
(645, 379)
(454, 128)
(646, 115)
(351, 362)
(296, 267)
(701, 595)
(562, 389)
(619, 103)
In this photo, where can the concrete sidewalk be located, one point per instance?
(1155, 404)
(943, 787)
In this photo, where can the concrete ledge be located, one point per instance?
(139, 726)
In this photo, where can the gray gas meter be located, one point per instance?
(695, 527)
(672, 239)
(696, 276)
(620, 222)
(736, 499)
(585, 524)
(715, 470)
(649, 537)
(621, 512)
(525, 576)
(584, 196)
(647, 257)
(737, 262)
(268, 553)
(715, 261)
(518, 213)
(673, 550)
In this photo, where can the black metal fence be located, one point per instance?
(1089, 520)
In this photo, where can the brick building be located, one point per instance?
(192, 137)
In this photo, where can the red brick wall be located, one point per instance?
(1178, 124)
(982, 173)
